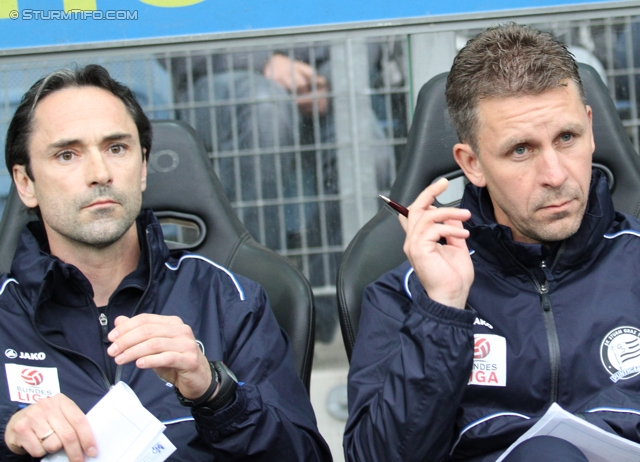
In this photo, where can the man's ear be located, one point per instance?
(143, 179)
(590, 115)
(468, 161)
(24, 186)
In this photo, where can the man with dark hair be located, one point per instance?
(17, 151)
(498, 312)
(95, 297)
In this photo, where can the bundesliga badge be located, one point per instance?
(489, 361)
(620, 353)
(31, 384)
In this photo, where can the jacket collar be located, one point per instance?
(42, 275)
(494, 242)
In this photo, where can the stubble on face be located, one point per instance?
(99, 227)
(551, 227)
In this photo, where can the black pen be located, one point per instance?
(401, 209)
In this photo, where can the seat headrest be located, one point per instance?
(195, 190)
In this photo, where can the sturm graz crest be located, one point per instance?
(620, 353)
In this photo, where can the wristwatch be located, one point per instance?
(220, 374)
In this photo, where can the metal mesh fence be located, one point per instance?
(304, 133)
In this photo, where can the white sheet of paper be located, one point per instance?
(124, 430)
(596, 444)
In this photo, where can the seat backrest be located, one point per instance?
(377, 247)
(185, 193)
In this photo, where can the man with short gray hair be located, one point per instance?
(504, 304)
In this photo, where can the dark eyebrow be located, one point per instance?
(71, 142)
(117, 137)
(64, 143)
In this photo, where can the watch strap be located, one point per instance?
(215, 378)
(227, 390)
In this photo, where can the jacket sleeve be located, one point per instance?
(271, 417)
(6, 412)
(410, 364)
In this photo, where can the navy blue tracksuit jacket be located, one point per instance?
(52, 340)
(562, 324)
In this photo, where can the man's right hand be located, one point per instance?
(445, 271)
(30, 430)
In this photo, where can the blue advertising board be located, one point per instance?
(27, 23)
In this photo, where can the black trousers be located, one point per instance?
(543, 448)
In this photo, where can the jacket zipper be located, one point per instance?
(549, 322)
(142, 297)
(104, 327)
(107, 382)
(137, 308)
(552, 340)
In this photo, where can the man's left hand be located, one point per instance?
(164, 344)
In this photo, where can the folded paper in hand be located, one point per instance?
(124, 430)
(596, 444)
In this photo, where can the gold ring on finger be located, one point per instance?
(47, 435)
